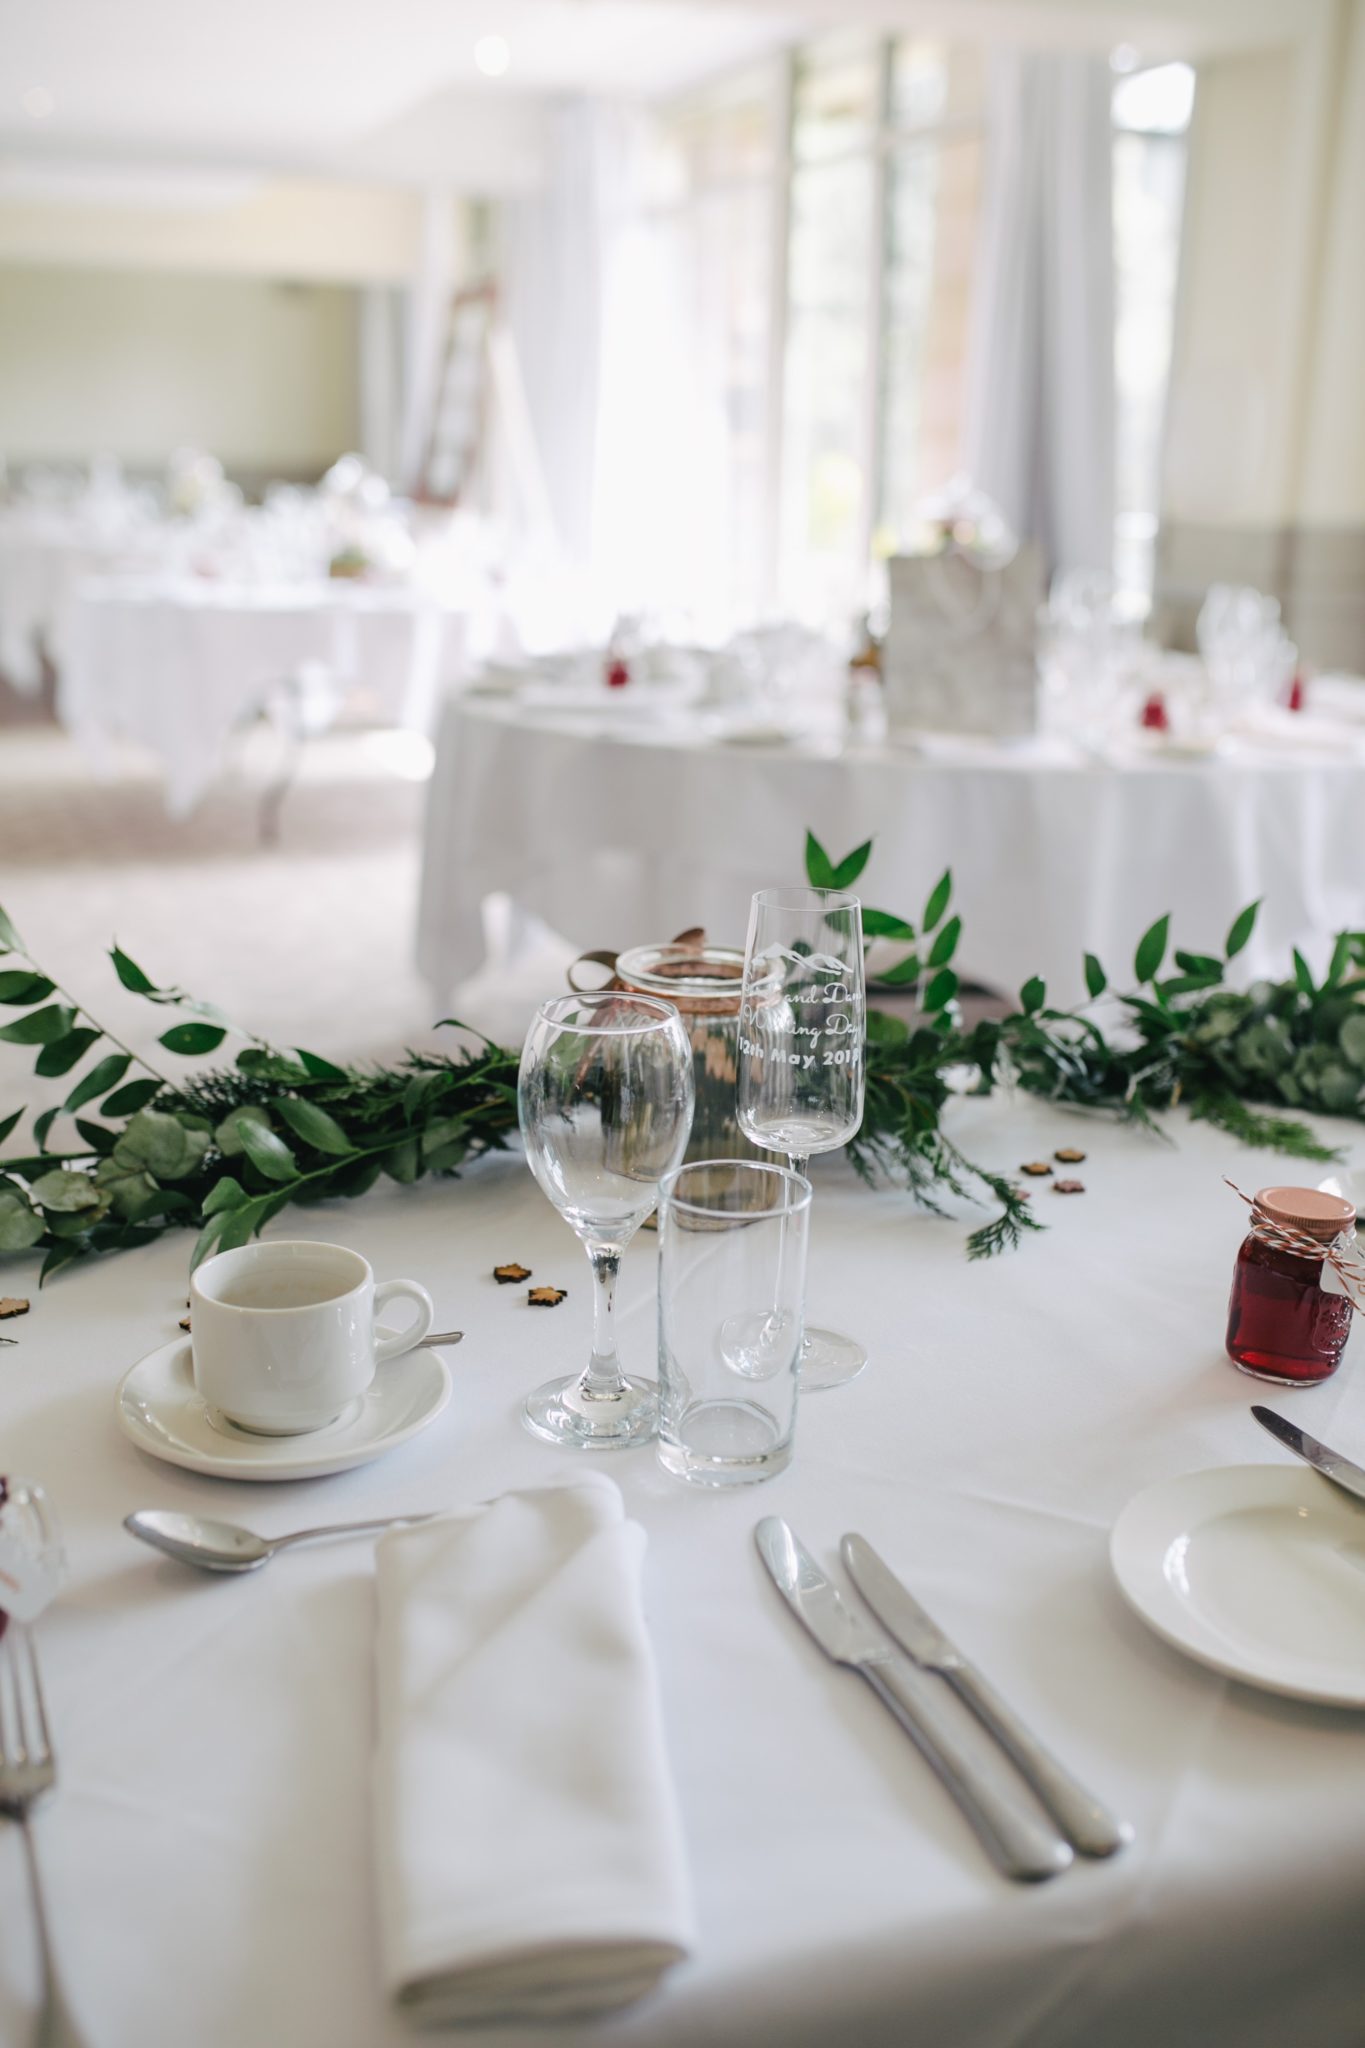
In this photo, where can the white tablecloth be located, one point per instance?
(175, 665)
(622, 836)
(44, 557)
(208, 1853)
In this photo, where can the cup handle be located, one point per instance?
(403, 1340)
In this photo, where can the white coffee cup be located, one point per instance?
(284, 1334)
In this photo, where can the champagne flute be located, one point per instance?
(604, 1098)
(801, 1035)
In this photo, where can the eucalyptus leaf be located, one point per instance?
(20, 1226)
(65, 1192)
(161, 1145)
(1351, 1038)
(129, 1189)
(228, 1135)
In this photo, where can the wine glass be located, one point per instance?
(604, 1098)
(802, 1025)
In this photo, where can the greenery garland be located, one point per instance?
(226, 1151)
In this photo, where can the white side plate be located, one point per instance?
(158, 1407)
(1256, 1570)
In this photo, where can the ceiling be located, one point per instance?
(390, 89)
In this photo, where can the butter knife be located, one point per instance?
(1020, 1844)
(1087, 1824)
(1329, 1463)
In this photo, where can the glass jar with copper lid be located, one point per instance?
(1284, 1323)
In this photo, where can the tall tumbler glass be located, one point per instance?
(732, 1258)
(605, 1098)
(802, 1029)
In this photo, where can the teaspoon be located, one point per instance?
(225, 1546)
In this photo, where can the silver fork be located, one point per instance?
(28, 1769)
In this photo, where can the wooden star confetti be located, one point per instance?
(546, 1297)
(511, 1276)
(1068, 1187)
(184, 1322)
(1035, 1167)
(1069, 1156)
(12, 1305)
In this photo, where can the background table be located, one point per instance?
(623, 834)
(175, 665)
(208, 1851)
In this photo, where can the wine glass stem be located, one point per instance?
(798, 1164)
(603, 1380)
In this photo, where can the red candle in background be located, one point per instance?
(1297, 698)
(1154, 716)
(617, 673)
(1282, 1323)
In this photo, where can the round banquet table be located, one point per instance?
(622, 831)
(208, 1855)
(174, 664)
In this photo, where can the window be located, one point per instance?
(1152, 111)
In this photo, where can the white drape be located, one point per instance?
(1040, 411)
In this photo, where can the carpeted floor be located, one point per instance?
(306, 942)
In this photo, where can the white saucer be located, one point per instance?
(1256, 1570)
(159, 1409)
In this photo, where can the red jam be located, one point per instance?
(1282, 1323)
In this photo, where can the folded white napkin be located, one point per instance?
(530, 1861)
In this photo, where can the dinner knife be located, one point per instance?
(1330, 1464)
(1021, 1845)
(1087, 1824)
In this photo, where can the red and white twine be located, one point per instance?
(1341, 1253)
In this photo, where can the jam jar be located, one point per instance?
(1283, 1325)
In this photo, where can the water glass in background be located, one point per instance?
(732, 1287)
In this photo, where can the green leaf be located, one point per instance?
(40, 1027)
(228, 1136)
(66, 1192)
(10, 941)
(1033, 995)
(1241, 929)
(161, 1145)
(1341, 959)
(226, 1193)
(130, 974)
(42, 1125)
(20, 987)
(20, 1225)
(319, 1068)
(945, 943)
(819, 866)
(106, 1073)
(400, 1162)
(941, 989)
(902, 973)
(1096, 980)
(1151, 950)
(313, 1125)
(192, 1038)
(127, 1101)
(885, 1029)
(10, 1123)
(61, 1056)
(1303, 974)
(1351, 1039)
(60, 1255)
(938, 901)
(268, 1153)
(851, 866)
(97, 1136)
(880, 924)
(1199, 963)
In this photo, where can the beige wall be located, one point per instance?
(295, 228)
(1332, 476)
(138, 363)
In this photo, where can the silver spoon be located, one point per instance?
(227, 1547)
